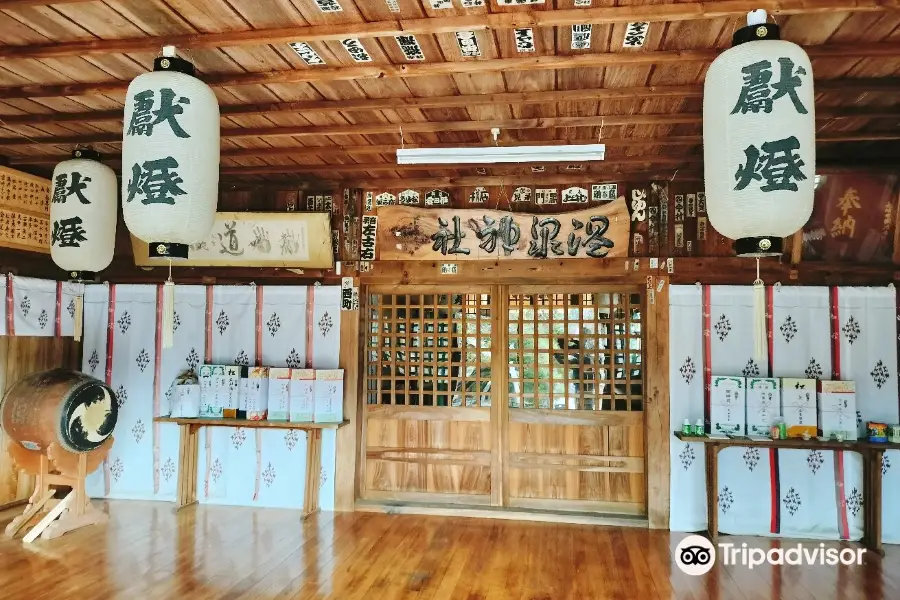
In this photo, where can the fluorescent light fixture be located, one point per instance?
(500, 154)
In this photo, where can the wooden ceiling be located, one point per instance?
(65, 65)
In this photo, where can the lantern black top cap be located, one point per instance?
(758, 28)
(86, 154)
(173, 63)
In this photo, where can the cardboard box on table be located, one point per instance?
(302, 393)
(258, 393)
(837, 409)
(727, 406)
(279, 394)
(798, 406)
(328, 404)
(763, 405)
(212, 395)
(231, 381)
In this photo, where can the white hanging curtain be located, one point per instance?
(744, 473)
(801, 344)
(34, 306)
(93, 361)
(186, 353)
(284, 326)
(130, 462)
(228, 456)
(687, 491)
(867, 322)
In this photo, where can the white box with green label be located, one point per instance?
(727, 405)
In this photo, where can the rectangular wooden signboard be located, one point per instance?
(405, 233)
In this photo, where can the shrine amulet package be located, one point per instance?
(837, 409)
(328, 406)
(212, 396)
(798, 406)
(302, 382)
(231, 383)
(279, 394)
(727, 410)
(258, 394)
(763, 405)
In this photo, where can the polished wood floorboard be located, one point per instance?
(148, 552)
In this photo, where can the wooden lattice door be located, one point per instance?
(521, 397)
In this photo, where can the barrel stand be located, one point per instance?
(72, 512)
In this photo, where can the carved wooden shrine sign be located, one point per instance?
(405, 233)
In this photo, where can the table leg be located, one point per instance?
(313, 468)
(872, 500)
(188, 448)
(712, 491)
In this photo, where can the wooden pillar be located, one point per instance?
(345, 492)
(656, 409)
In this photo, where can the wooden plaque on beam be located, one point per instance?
(24, 211)
(247, 239)
(405, 233)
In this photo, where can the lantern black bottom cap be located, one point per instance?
(168, 250)
(81, 276)
(759, 246)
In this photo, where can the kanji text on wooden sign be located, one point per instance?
(406, 233)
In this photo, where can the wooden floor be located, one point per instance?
(147, 552)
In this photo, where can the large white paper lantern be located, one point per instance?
(759, 139)
(170, 158)
(83, 212)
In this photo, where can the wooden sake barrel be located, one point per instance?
(71, 409)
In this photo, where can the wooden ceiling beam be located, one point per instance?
(529, 63)
(341, 151)
(647, 160)
(425, 26)
(441, 126)
(850, 86)
(540, 179)
(13, 4)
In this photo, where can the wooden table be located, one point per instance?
(189, 447)
(871, 453)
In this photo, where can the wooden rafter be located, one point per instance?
(849, 86)
(496, 21)
(647, 160)
(530, 63)
(12, 4)
(439, 126)
(517, 180)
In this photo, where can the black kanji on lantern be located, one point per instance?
(156, 180)
(756, 92)
(144, 118)
(68, 233)
(444, 236)
(507, 232)
(778, 164)
(63, 188)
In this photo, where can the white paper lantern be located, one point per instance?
(759, 140)
(83, 212)
(170, 158)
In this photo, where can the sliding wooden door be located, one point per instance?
(427, 365)
(512, 396)
(575, 376)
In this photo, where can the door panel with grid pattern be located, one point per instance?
(573, 433)
(428, 394)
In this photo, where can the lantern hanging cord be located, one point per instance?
(402, 144)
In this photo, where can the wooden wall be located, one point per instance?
(20, 356)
